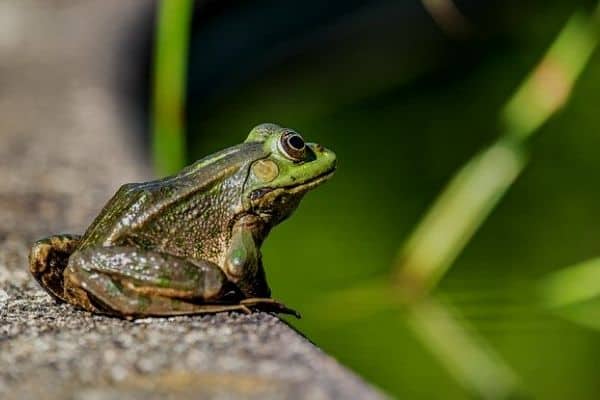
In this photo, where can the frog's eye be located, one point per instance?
(292, 145)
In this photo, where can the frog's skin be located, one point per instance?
(188, 243)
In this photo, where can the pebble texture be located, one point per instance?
(56, 352)
(64, 149)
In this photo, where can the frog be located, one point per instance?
(189, 243)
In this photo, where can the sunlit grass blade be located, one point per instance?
(468, 358)
(548, 87)
(475, 190)
(574, 293)
(571, 285)
(585, 313)
(457, 214)
(169, 82)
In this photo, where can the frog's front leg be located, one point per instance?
(244, 268)
(129, 282)
(243, 260)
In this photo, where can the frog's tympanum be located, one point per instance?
(188, 243)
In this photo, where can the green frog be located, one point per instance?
(188, 243)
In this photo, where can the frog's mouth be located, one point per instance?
(312, 183)
(293, 189)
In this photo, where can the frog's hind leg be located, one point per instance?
(127, 282)
(104, 295)
(48, 258)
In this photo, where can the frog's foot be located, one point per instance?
(269, 304)
(48, 258)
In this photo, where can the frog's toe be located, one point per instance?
(269, 304)
(48, 259)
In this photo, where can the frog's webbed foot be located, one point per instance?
(48, 258)
(269, 304)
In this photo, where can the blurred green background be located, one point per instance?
(406, 93)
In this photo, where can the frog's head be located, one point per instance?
(277, 182)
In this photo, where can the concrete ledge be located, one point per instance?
(53, 351)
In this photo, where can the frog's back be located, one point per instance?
(158, 213)
(121, 210)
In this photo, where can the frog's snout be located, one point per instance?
(324, 155)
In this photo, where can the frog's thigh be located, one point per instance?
(152, 273)
(103, 295)
(48, 259)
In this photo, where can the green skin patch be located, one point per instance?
(238, 256)
(164, 282)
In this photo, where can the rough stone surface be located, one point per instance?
(55, 351)
(64, 149)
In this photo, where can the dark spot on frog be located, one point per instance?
(257, 194)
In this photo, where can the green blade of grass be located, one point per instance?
(457, 214)
(571, 285)
(573, 293)
(549, 86)
(170, 69)
(584, 313)
(475, 190)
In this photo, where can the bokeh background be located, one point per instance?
(408, 93)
